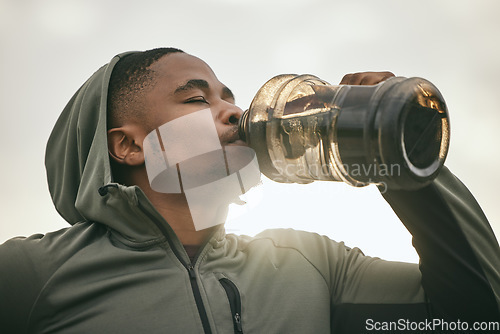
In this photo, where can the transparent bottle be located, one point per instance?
(303, 129)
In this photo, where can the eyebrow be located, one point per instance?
(202, 84)
(191, 84)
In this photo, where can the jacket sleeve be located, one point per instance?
(26, 266)
(19, 283)
(459, 254)
(457, 279)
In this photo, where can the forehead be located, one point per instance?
(177, 68)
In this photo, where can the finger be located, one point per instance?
(352, 78)
(386, 75)
(366, 78)
(345, 79)
(373, 78)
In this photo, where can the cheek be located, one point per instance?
(160, 116)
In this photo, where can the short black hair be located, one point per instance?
(129, 80)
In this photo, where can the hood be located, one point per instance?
(79, 171)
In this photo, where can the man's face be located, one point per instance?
(194, 120)
(185, 84)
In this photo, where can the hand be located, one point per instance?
(365, 78)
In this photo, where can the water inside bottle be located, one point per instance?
(303, 132)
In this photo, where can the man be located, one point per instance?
(133, 261)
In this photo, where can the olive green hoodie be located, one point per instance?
(120, 268)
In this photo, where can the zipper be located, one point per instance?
(233, 295)
(197, 297)
(192, 274)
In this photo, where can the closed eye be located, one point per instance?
(197, 99)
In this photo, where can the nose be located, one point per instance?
(229, 114)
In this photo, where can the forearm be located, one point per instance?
(459, 254)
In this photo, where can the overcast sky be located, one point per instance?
(49, 48)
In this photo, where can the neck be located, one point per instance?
(174, 209)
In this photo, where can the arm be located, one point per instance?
(27, 264)
(459, 255)
(19, 283)
(457, 278)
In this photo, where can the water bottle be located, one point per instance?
(395, 133)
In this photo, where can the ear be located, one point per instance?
(125, 145)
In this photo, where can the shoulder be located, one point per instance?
(28, 262)
(35, 257)
(304, 251)
(299, 239)
(314, 247)
(48, 247)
